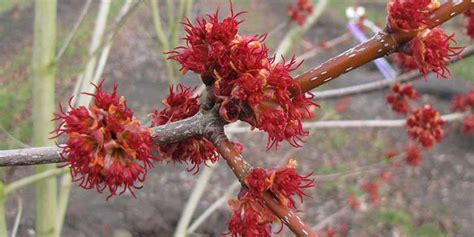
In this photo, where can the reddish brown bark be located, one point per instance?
(382, 44)
(241, 169)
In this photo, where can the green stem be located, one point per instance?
(64, 191)
(97, 38)
(33, 179)
(193, 201)
(174, 33)
(189, 7)
(170, 9)
(44, 69)
(3, 220)
(165, 44)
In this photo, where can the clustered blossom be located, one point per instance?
(413, 155)
(353, 202)
(181, 104)
(410, 15)
(300, 12)
(405, 62)
(429, 51)
(391, 153)
(399, 99)
(470, 22)
(373, 189)
(331, 231)
(246, 84)
(106, 146)
(468, 125)
(426, 126)
(465, 103)
(250, 215)
(432, 51)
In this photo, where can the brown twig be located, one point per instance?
(378, 85)
(241, 169)
(381, 44)
(170, 133)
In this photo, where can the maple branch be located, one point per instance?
(199, 124)
(382, 84)
(381, 44)
(241, 169)
(375, 123)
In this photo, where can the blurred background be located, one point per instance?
(434, 199)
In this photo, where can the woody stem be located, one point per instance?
(381, 44)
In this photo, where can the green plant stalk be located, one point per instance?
(97, 37)
(194, 198)
(189, 7)
(165, 44)
(3, 220)
(44, 69)
(174, 33)
(33, 179)
(64, 191)
(170, 9)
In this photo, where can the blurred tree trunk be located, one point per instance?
(44, 69)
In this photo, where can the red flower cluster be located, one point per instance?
(353, 202)
(181, 104)
(432, 51)
(413, 155)
(409, 15)
(405, 62)
(246, 84)
(426, 126)
(250, 213)
(299, 12)
(106, 146)
(402, 94)
(331, 231)
(374, 191)
(468, 126)
(463, 104)
(390, 153)
(470, 22)
(251, 218)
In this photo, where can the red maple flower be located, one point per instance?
(468, 125)
(426, 126)
(405, 62)
(374, 191)
(300, 12)
(462, 103)
(247, 86)
(432, 51)
(386, 176)
(106, 147)
(259, 180)
(342, 105)
(470, 22)
(402, 94)
(181, 104)
(459, 104)
(391, 153)
(250, 217)
(413, 155)
(330, 231)
(409, 15)
(353, 202)
(284, 182)
(287, 183)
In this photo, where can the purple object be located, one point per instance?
(384, 67)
